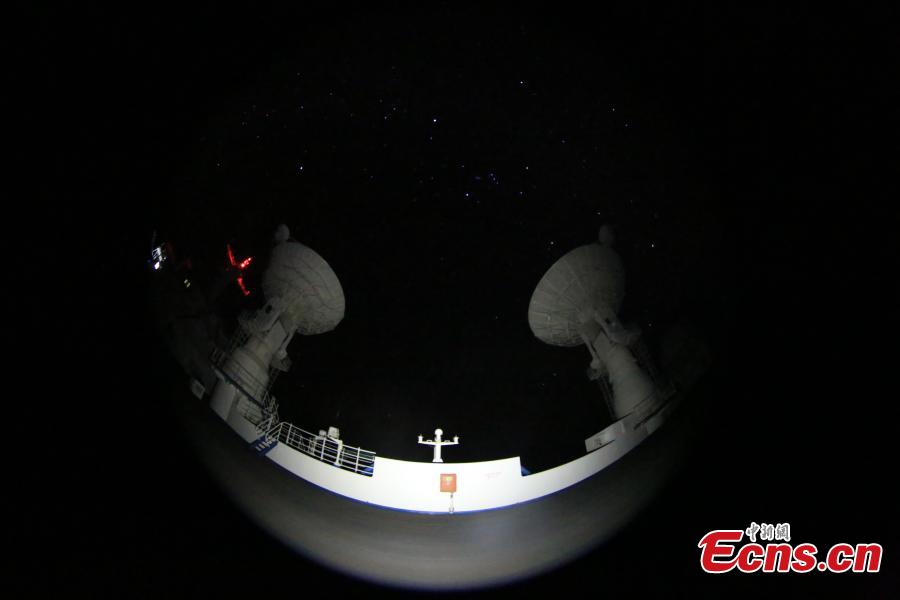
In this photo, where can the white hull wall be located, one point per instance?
(415, 486)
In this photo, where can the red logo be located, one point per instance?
(720, 553)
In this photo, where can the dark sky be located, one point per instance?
(441, 170)
(440, 159)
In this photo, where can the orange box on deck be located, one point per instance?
(448, 482)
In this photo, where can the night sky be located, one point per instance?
(441, 159)
(441, 171)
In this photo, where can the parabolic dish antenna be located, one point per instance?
(307, 285)
(576, 302)
(584, 280)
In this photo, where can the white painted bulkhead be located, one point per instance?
(415, 486)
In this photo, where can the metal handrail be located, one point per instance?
(263, 412)
(263, 419)
(325, 449)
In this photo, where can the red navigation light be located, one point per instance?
(240, 267)
(240, 281)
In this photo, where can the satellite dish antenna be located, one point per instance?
(305, 284)
(576, 302)
(303, 295)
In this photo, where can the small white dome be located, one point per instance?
(282, 234)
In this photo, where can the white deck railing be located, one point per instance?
(325, 449)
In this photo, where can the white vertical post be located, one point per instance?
(437, 443)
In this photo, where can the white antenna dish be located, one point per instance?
(576, 302)
(587, 279)
(306, 285)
